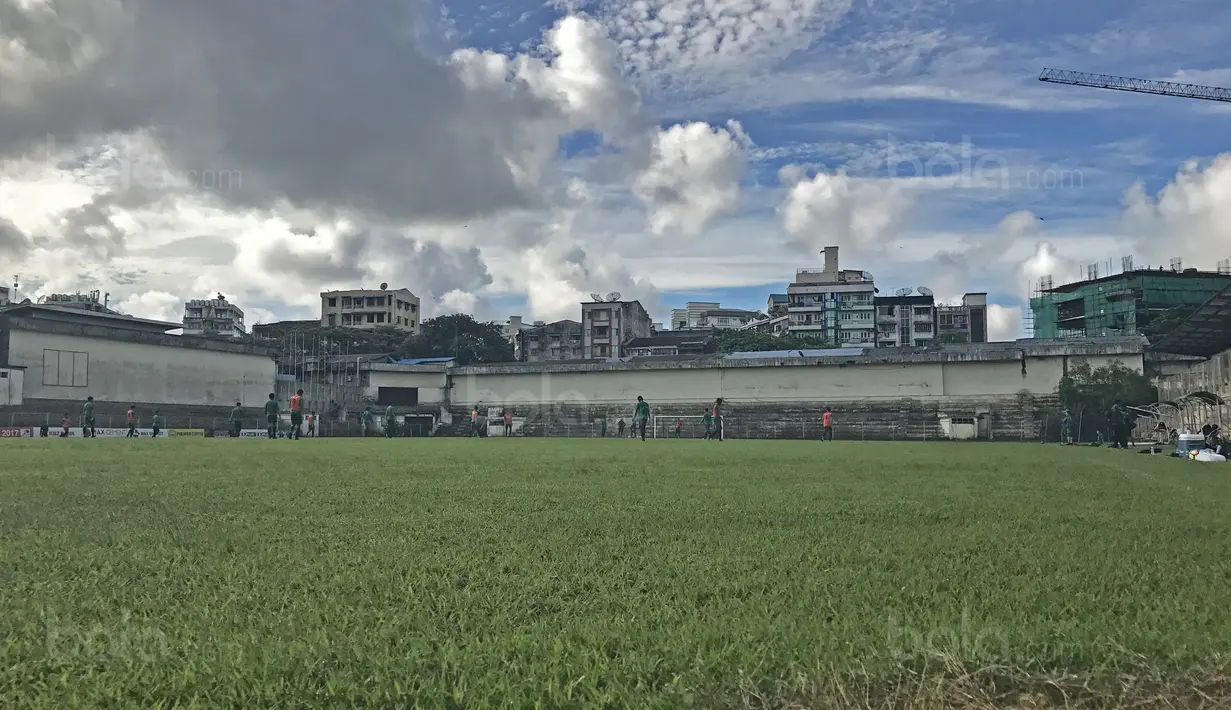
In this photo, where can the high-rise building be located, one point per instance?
(367, 309)
(963, 323)
(213, 317)
(608, 326)
(905, 320)
(833, 303)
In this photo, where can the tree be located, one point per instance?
(1088, 394)
(460, 336)
(747, 341)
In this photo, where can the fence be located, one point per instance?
(351, 426)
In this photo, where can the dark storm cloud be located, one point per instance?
(13, 242)
(436, 270)
(324, 103)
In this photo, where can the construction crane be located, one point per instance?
(1139, 86)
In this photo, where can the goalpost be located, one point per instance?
(691, 426)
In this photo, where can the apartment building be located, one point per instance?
(963, 323)
(4, 296)
(366, 309)
(833, 303)
(544, 342)
(703, 315)
(906, 319)
(215, 317)
(608, 326)
(777, 305)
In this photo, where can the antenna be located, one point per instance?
(904, 291)
(596, 298)
(613, 296)
(1126, 263)
(1092, 272)
(924, 290)
(1177, 264)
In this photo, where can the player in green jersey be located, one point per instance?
(271, 416)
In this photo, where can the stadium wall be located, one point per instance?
(136, 372)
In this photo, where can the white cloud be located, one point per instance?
(1188, 218)
(834, 209)
(155, 305)
(693, 176)
(1004, 323)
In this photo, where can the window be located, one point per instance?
(333, 301)
(371, 317)
(413, 307)
(380, 317)
(346, 301)
(65, 368)
(332, 319)
(348, 319)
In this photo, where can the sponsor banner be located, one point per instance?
(13, 432)
(74, 432)
(186, 432)
(243, 434)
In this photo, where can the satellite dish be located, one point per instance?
(596, 298)
(384, 286)
(904, 291)
(613, 296)
(925, 290)
(867, 276)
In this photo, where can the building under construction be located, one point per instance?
(1124, 303)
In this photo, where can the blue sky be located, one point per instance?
(1072, 152)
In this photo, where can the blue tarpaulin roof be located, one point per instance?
(424, 360)
(776, 354)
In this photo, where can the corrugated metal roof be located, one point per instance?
(423, 360)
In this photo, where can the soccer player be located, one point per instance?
(312, 424)
(271, 416)
(64, 422)
(237, 420)
(827, 424)
(678, 425)
(508, 423)
(296, 414)
(132, 422)
(620, 429)
(474, 420)
(603, 427)
(390, 422)
(87, 418)
(157, 423)
(366, 418)
(707, 421)
(640, 414)
(719, 434)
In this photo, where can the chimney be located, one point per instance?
(831, 260)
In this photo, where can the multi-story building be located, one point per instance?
(905, 320)
(608, 326)
(833, 303)
(367, 309)
(549, 341)
(963, 323)
(777, 305)
(698, 315)
(774, 325)
(1122, 304)
(4, 296)
(213, 317)
(512, 327)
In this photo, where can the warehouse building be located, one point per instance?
(66, 355)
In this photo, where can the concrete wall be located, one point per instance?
(114, 370)
(11, 386)
(431, 382)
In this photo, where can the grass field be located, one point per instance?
(586, 573)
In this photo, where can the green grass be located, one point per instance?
(583, 573)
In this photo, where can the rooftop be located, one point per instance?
(1186, 274)
(1205, 333)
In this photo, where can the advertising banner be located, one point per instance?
(74, 432)
(243, 434)
(9, 431)
(186, 432)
